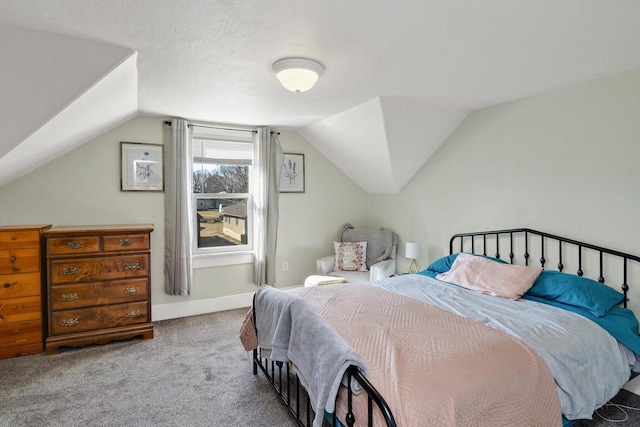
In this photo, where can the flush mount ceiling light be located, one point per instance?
(297, 74)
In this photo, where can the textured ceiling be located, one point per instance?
(211, 60)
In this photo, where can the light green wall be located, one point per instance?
(83, 188)
(566, 162)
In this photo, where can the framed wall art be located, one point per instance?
(292, 175)
(141, 167)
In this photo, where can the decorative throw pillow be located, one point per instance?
(350, 256)
(490, 277)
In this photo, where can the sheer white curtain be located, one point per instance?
(178, 211)
(268, 158)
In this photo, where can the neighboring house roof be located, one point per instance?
(238, 210)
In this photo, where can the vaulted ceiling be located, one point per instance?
(399, 77)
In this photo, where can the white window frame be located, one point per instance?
(233, 254)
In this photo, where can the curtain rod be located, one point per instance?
(168, 123)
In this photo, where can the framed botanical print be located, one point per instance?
(292, 175)
(141, 167)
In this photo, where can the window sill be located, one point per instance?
(221, 259)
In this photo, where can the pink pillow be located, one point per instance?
(490, 277)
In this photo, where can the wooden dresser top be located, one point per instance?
(23, 227)
(78, 230)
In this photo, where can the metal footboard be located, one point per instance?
(293, 395)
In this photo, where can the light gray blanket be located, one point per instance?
(379, 242)
(289, 329)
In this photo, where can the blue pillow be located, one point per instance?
(576, 291)
(444, 264)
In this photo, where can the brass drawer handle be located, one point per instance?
(13, 260)
(69, 271)
(71, 321)
(133, 314)
(69, 297)
(126, 242)
(74, 244)
(133, 290)
(132, 266)
(8, 285)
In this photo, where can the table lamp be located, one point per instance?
(413, 251)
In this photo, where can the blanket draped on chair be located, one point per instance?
(379, 242)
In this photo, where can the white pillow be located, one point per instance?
(491, 277)
(350, 256)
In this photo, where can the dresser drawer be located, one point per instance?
(23, 350)
(128, 242)
(99, 269)
(95, 318)
(19, 285)
(20, 309)
(21, 333)
(64, 297)
(19, 260)
(73, 245)
(19, 239)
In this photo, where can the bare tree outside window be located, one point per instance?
(222, 179)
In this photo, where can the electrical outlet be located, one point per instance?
(285, 266)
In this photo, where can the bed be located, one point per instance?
(545, 357)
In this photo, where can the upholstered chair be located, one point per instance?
(380, 255)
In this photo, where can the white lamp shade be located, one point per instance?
(297, 74)
(413, 250)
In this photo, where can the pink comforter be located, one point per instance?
(436, 368)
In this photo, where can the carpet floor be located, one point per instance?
(193, 373)
(616, 414)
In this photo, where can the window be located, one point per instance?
(222, 172)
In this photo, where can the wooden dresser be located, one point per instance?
(21, 330)
(98, 284)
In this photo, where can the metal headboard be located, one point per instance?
(494, 238)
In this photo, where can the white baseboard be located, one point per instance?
(175, 310)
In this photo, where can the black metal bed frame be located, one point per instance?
(291, 391)
(293, 395)
(544, 240)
